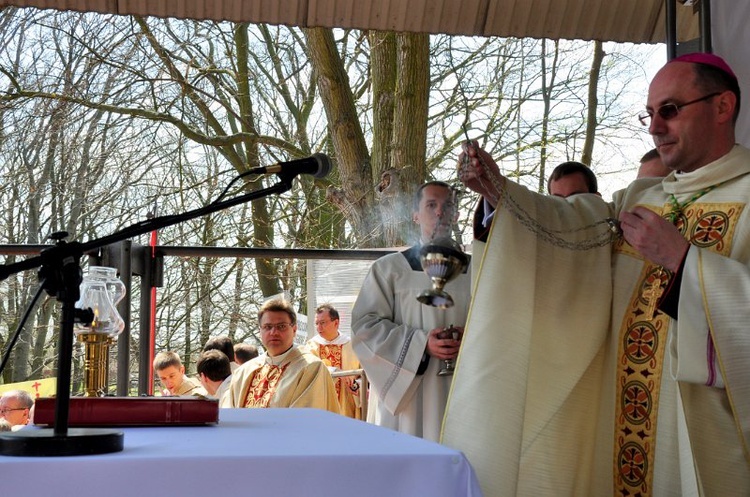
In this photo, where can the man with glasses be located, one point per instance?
(335, 350)
(15, 407)
(284, 375)
(618, 368)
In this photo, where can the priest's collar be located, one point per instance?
(733, 165)
(341, 339)
(281, 358)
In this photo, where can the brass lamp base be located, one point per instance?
(96, 354)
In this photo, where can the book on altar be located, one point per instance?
(131, 411)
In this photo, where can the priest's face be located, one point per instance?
(327, 327)
(12, 410)
(437, 212)
(691, 138)
(277, 332)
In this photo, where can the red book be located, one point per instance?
(131, 411)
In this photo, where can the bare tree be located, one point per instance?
(104, 117)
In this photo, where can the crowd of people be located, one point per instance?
(284, 375)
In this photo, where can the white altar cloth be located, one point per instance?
(253, 452)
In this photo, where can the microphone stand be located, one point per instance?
(60, 275)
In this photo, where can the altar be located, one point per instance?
(253, 452)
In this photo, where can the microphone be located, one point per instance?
(319, 165)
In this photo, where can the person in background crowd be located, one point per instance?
(572, 178)
(214, 372)
(284, 375)
(652, 166)
(224, 344)
(168, 367)
(243, 352)
(335, 350)
(15, 407)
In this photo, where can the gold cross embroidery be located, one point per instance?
(653, 293)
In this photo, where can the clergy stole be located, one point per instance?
(330, 354)
(643, 342)
(263, 385)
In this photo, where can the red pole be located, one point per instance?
(152, 322)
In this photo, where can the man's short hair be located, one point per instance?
(278, 305)
(650, 155)
(222, 343)
(165, 359)
(23, 398)
(214, 364)
(418, 193)
(331, 310)
(243, 352)
(572, 167)
(712, 74)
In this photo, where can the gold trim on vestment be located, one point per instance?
(642, 345)
(639, 369)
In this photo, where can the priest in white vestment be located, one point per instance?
(284, 375)
(397, 338)
(617, 369)
(335, 350)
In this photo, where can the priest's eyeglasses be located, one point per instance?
(670, 111)
(6, 410)
(278, 326)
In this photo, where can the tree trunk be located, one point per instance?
(356, 196)
(591, 114)
(409, 129)
(383, 76)
(410, 117)
(263, 230)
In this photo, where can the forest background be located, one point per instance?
(105, 120)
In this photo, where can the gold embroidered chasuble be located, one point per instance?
(295, 378)
(338, 353)
(580, 388)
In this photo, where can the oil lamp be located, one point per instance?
(100, 292)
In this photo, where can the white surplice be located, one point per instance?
(389, 335)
